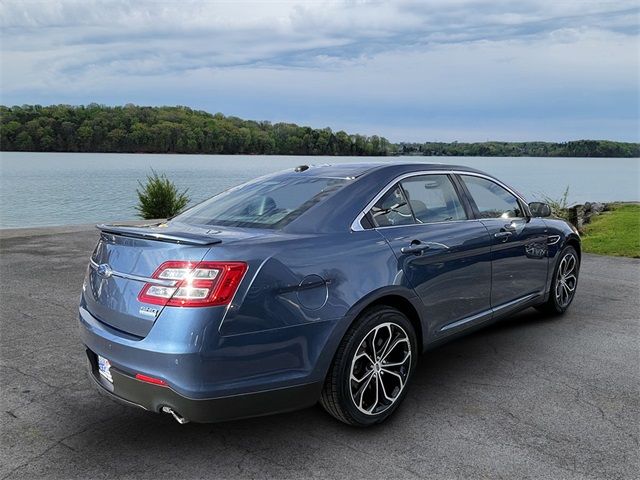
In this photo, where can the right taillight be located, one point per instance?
(203, 284)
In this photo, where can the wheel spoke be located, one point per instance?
(571, 263)
(570, 282)
(363, 355)
(384, 390)
(565, 294)
(394, 345)
(377, 354)
(375, 404)
(407, 356)
(395, 375)
(361, 390)
(561, 268)
(363, 378)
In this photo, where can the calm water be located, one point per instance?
(39, 189)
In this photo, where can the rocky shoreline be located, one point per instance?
(581, 214)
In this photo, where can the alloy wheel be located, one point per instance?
(566, 280)
(380, 368)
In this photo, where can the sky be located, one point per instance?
(441, 70)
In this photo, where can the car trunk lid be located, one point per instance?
(124, 261)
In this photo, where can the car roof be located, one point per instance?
(357, 169)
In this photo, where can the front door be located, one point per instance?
(519, 251)
(444, 256)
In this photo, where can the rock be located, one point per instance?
(580, 215)
(577, 215)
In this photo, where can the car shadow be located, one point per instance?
(449, 363)
(110, 437)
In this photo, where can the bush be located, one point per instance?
(560, 206)
(159, 197)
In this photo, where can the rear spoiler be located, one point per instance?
(154, 232)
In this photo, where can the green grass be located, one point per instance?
(616, 232)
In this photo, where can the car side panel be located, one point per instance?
(311, 279)
(453, 277)
(519, 261)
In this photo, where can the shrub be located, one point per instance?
(560, 206)
(159, 197)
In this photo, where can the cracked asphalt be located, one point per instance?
(531, 397)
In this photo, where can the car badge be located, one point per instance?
(104, 270)
(148, 311)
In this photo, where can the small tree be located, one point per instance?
(159, 197)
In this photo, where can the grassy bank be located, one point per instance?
(616, 232)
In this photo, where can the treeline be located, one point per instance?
(133, 129)
(578, 148)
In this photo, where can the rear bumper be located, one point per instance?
(130, 391)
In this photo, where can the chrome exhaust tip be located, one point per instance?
(179, 418)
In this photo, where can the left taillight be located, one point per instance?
(203, 284)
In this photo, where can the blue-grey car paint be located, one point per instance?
(305, 285)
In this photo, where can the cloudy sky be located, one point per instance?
(409, 70)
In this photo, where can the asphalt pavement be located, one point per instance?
(531, 397)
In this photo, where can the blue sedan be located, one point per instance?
(316, 284)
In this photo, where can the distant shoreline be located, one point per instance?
(395, 155)
(181, 130)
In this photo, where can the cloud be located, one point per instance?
(381, 66)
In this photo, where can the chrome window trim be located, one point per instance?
(356, 226)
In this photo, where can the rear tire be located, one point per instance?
(370, 373)
(564, 284)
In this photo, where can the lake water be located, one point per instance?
(42, 189)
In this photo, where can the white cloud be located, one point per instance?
(482, 59)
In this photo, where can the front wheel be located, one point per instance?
(372, 368)
(564, 284)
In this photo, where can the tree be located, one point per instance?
(98, 128)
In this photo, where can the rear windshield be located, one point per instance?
(267, 203)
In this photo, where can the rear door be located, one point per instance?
(442, 253)
(519, 250)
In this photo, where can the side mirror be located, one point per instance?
(540, 209)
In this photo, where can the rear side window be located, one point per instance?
(266, 203)
(492, 200)
(433, 199)
(392, 209)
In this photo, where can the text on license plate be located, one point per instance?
(104, 368)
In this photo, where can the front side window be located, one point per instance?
(433, 198)
(492, 200)
(267, 203)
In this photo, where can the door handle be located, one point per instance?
(417, 247)
(504, 236)
(414, 249)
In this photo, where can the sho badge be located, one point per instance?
(149, 312)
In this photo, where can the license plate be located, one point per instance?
(104, 367)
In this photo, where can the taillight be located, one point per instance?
(203, 284)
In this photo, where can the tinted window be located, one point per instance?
(492, 200)
(392, 209)
(433, 199)
(267, 203)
